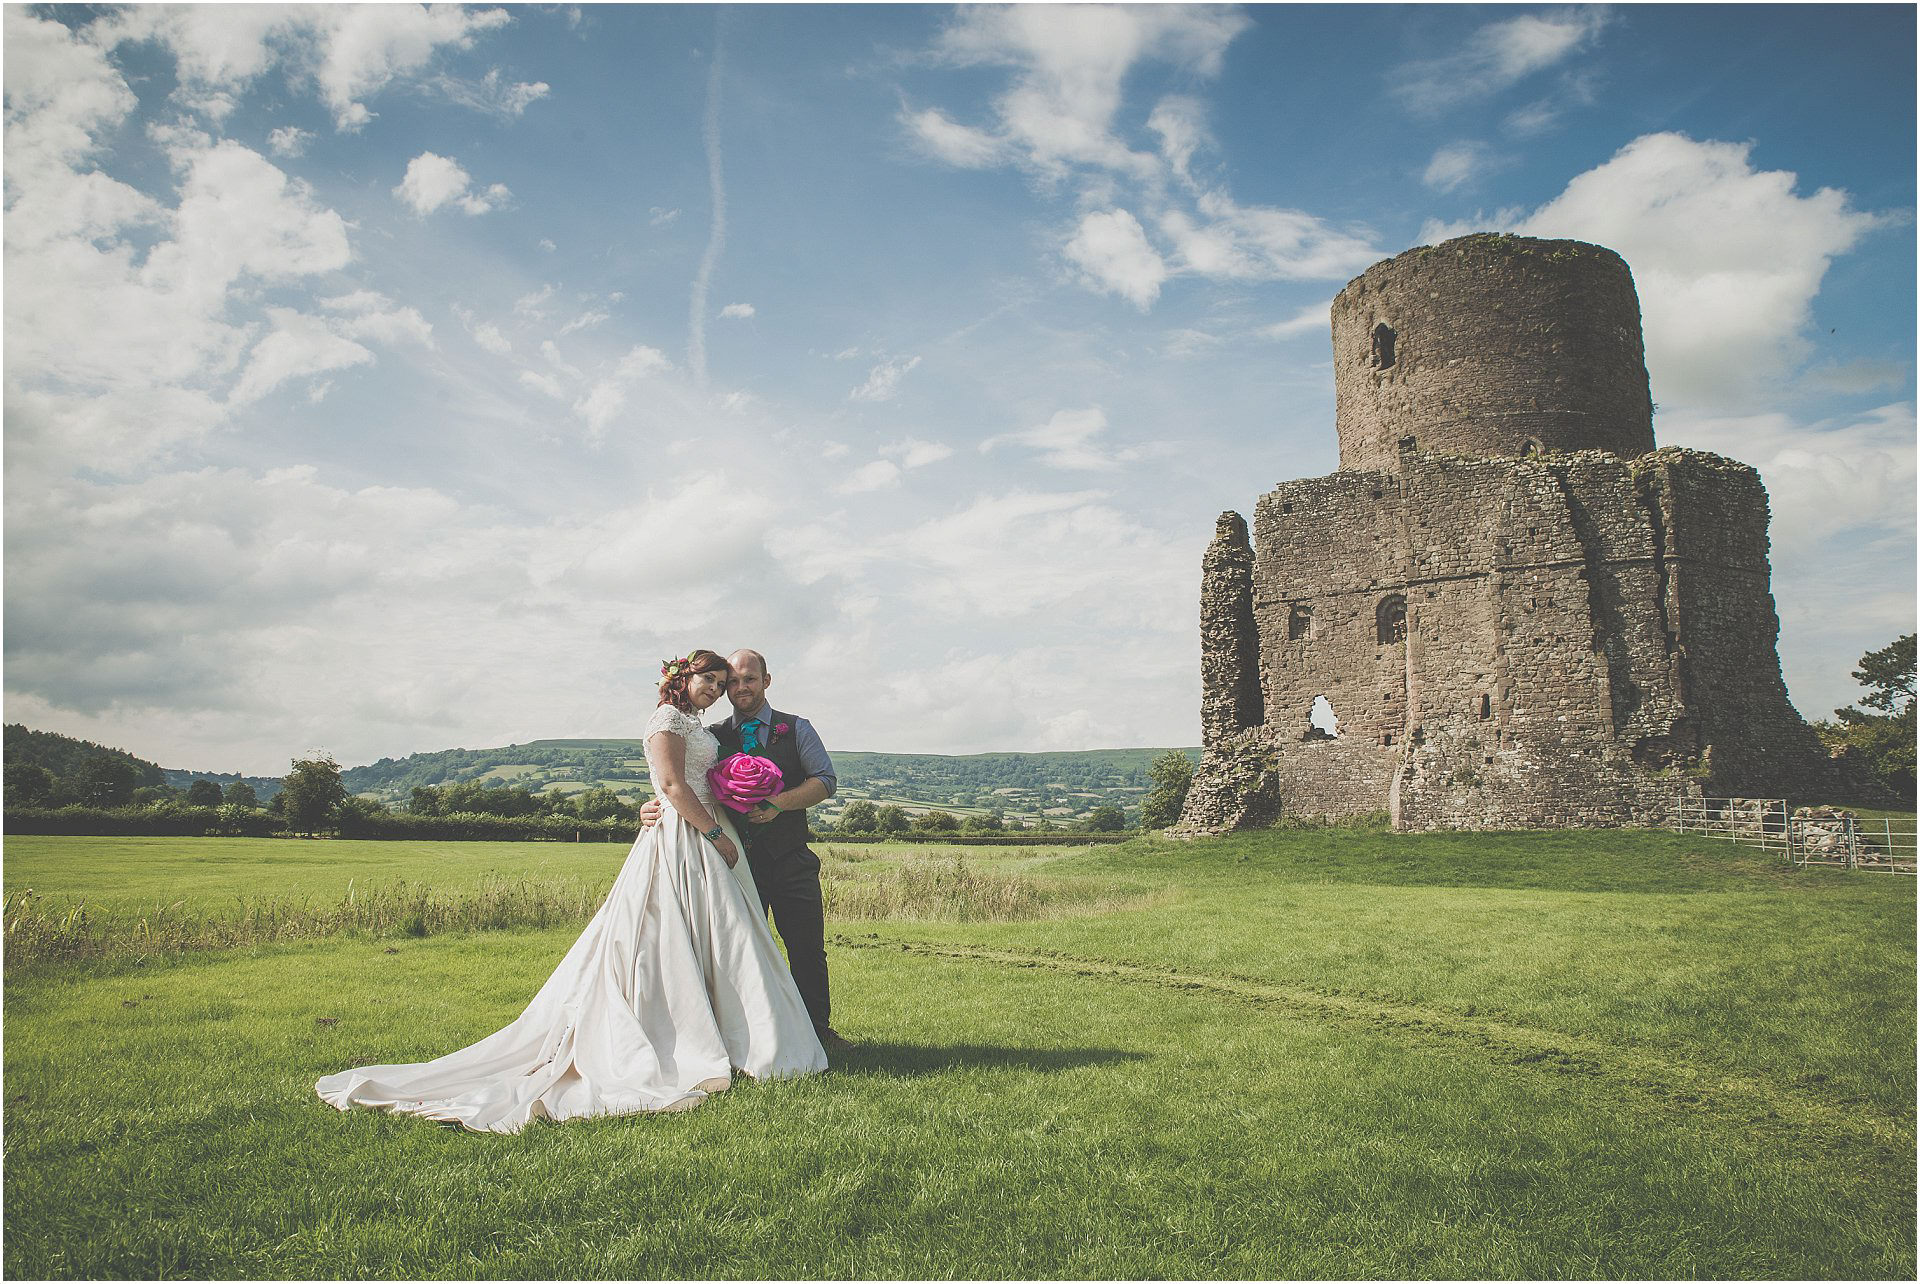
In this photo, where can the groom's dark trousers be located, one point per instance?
(788, 873)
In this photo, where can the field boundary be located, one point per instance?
(1663, 1076)
(1807, 836)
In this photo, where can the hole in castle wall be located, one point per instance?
(1382, 346)
(1486, 707)
(1321, 722)
(1390, 619)
(1299, 623)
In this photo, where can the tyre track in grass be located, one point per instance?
(1662, 1078)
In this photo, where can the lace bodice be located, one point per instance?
(702, 751)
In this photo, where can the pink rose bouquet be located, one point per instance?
(742, 781)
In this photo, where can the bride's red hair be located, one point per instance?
(676, 674)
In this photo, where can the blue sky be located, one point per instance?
(382, 379)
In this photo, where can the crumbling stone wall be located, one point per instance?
(1510, 633)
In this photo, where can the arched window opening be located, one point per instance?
(1486, 707)
(1321, 722)
(1390, 620)
(1300, 623)
(1382, 346)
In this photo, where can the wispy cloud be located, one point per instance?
(1497, 57)
(883, 381)
(740, 311)
(1456, 165)
(1071, 440)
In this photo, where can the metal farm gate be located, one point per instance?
(1812, 836)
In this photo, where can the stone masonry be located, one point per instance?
(1520, 612)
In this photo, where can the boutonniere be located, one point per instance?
(781, 728)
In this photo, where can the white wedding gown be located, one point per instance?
(675, 983)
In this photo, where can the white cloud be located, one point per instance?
(883, 381)
(1186, 342)
(1262, 243)
(607, 398)
(1070, 440)
(741, 310)
(1455, 165)
(433, 182)
(1727, 259)
(1858, 376)
(1069, 63)
(485, 333)
(1181, 123)
(492, 93)
(547, 246)
(912, 453)
(299, 345)
(658, 217)
(543, 383)
(1314, 319)
(351, 52)
(878, 475)
(1496, 57)
(289, 141)
(1110, 248)
(366, 314)
(125, 319)
(585, 321)
(946, 139)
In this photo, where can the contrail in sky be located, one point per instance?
(717, 234)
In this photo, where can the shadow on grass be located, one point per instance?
(913, 1060)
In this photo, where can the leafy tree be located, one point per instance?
(203, 793)
(859, 817)
(149, 795)
(991, 823)
(1106, 819)
(600, 804)
(1888, 674)
(312, 791)
(936, 822)
(890, 820)
(28, 785)
(106, 782)
(424, 801)
(1883, 741)
(240, 794)
(1172, 776)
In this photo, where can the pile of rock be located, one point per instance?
(1826, 833)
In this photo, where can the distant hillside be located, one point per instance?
(63, 756)
(1061, 785)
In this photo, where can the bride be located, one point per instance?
(674, 983)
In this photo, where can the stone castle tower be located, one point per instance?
(1517, 611)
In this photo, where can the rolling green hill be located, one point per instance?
(1060, 785)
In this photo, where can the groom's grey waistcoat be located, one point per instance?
(787, 833)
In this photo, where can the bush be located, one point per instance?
(166, 819)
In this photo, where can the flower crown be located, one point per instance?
(671, 669)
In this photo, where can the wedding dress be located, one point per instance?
(675, 982)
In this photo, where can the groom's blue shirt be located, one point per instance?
(806, 742)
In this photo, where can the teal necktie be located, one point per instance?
(750, 735)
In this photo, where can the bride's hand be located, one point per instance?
(728, 852)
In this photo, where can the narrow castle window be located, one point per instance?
(1300, 623)
(1390, 619)
(1382, 346)
(1407, 445)
(1486, 707)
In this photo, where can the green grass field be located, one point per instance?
(1293, 1054)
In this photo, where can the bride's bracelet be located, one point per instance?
(715, 834)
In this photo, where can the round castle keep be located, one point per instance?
(1490, 345)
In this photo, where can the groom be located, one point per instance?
(784, 869)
